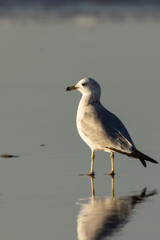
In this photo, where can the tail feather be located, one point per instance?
(142, 157)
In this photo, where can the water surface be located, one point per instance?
(42, 192)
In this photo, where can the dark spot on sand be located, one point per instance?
(7, 156)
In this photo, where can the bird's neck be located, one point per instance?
(89, 99)
(86, 103)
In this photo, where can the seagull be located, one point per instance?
(101, 129)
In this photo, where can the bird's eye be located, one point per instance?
(84, 84)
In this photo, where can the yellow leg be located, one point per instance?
(92, 164)
(112, 164)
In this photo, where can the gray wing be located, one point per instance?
(105, 130)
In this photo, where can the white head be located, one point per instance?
(89, 88)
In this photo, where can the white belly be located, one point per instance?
(94, 147)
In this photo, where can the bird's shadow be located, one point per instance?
(101, 217)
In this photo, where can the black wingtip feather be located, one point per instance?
(142, 157)
(136, 154)
(143, 162)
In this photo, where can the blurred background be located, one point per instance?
(46, 46)
(67, 7)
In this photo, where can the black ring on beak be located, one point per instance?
(71, 88)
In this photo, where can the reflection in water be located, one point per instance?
(103, 216)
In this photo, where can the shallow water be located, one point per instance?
(44, 193)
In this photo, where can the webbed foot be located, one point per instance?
(112, 173)
(91, 174)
